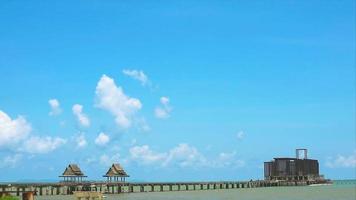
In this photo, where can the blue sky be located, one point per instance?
(184, 90)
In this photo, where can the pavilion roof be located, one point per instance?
(73, 170)
(116, 170)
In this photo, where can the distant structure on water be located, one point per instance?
(73, 174)
(293, 169)
(115, 172)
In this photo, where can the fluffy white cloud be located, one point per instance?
(12, 131)
(144, 155)
(15, 134)
(113, 99)
(81, 141)
(137, 75)
(341, 161)
(185, 156)
(240, 135)
(102, 139)
(81, 117)
(10, 161)
(164, 109)
(55, 107)
(42, 145)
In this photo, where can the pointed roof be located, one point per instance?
(116, 170)
(73, 170)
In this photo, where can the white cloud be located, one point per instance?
(228, 160)
(42, 145)
(81, 141)
(10, 161)
(137, 75)
(163, 111)
(185, 156)
(107, 160)
(81, 117)
(144, 155)
(15, 134)
(113, 99)
(12, 131)
(240, 135)
(342, 161)
(55, 107)
(164, 101)
(102, 139)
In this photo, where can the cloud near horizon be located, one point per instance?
(183, 155)
(42, 145)
(341, 161)
(13, 131)
(15, 135)
(10, 161)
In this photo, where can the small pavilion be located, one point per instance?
(73, 174)
(115, 172)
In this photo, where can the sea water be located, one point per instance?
(337, 191)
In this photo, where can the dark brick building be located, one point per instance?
(292, 168)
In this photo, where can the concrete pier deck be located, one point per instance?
(67, 188)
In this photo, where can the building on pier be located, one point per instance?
(73, 174)
(293, 169)
(115, 173)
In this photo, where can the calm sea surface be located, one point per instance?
(338, 191)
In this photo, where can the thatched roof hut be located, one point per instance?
(115, 172)
(73, 173)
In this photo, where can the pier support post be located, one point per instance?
(161, 188)
(178, 187)
(119, 190)
(170, 187)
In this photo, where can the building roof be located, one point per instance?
(116, 170)
(290, 159)
(72, 170)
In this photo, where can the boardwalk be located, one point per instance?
(67, 188)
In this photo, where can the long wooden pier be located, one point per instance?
(67, 188)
